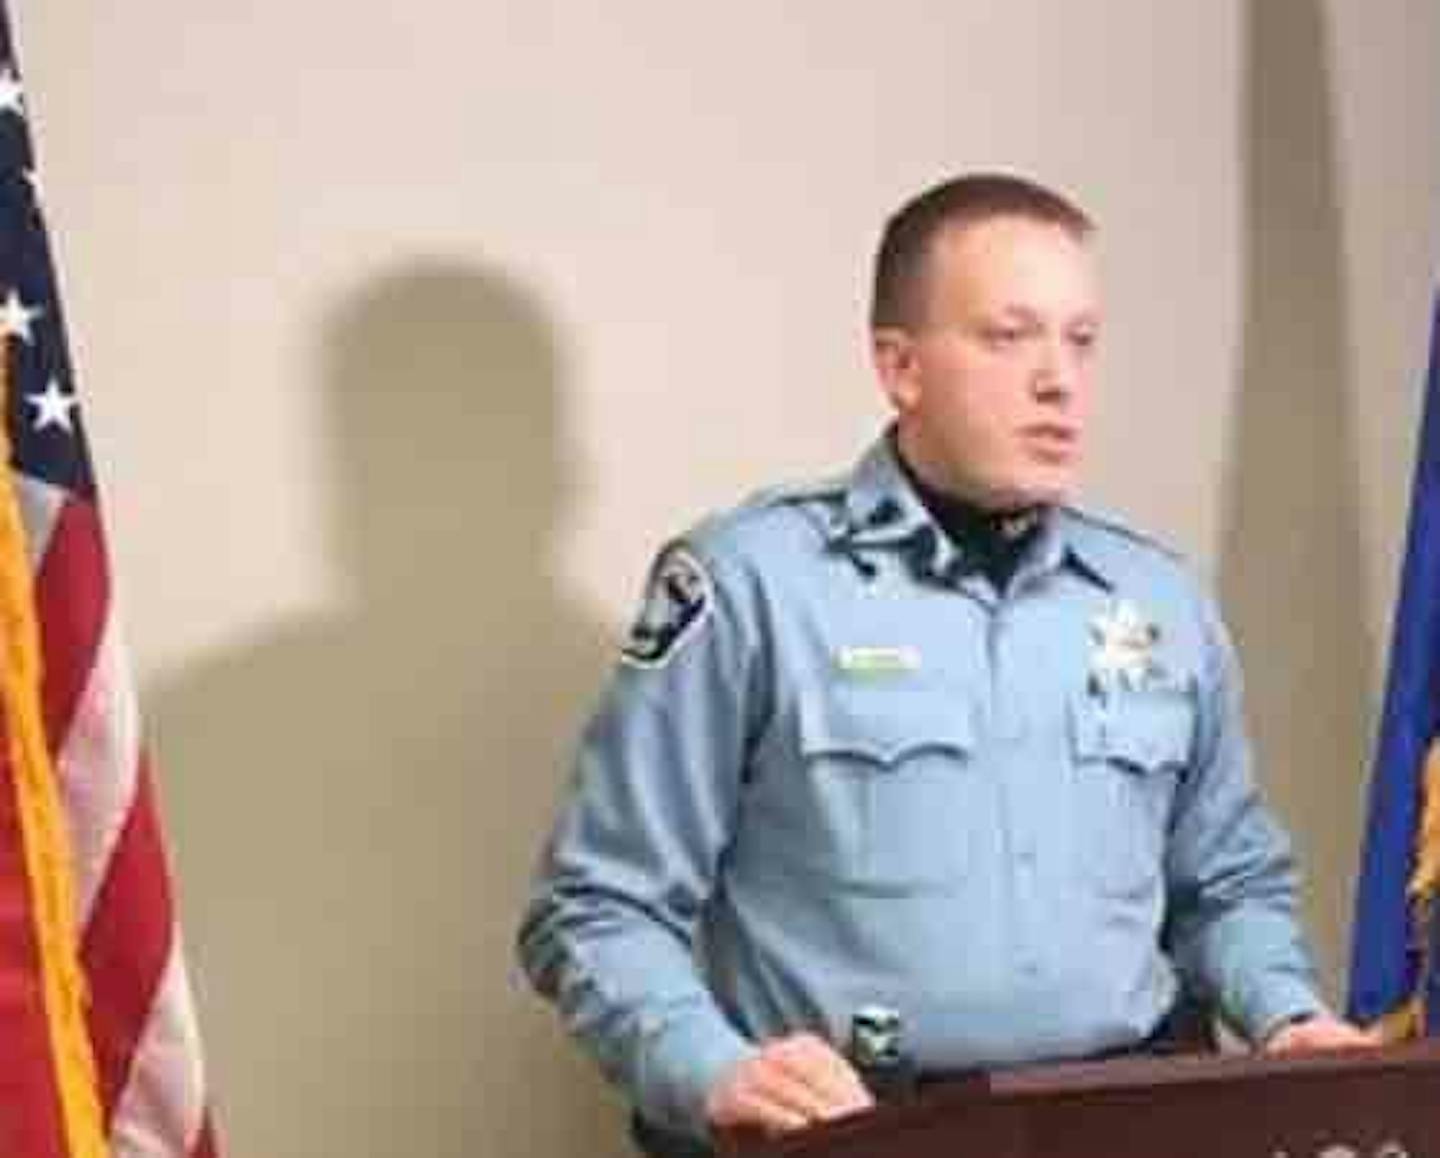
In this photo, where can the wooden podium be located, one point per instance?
(1382, 1103)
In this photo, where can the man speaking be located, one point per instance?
(920, 739)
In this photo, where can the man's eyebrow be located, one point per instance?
(1016, 310)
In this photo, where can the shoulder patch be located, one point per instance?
(679, 597)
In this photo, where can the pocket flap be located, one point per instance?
(883, 726)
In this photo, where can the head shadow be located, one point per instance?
(358, 796)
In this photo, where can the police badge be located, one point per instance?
(678, 598)
(1123, 655)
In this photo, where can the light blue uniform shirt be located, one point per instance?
(836, 769)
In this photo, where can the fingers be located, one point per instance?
(761, 1094)
(786, 1085)
(1323, 1032)
(750, 1107)
(792, 1103)
(814, 1062)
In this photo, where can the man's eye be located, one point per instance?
(1003, 335)
(1084, 339)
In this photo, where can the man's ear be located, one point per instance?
(893, 352)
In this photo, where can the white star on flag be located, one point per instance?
(16, 316)
(54, 407)
(12, 92)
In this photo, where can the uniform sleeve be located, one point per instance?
(608, 934)
(1234, 932)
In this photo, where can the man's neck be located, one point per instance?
(993, 540)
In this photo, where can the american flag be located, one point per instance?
(141, 1020)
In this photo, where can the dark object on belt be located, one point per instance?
(877, 1051)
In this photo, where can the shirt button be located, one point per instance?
(1027, 857)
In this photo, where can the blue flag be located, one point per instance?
(1394, 967)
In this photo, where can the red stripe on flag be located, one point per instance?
(30, 1121)
(127, 942)
(72, 589)
(205, 1144)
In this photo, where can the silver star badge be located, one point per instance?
(1124, 640)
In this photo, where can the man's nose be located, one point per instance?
(1055, 372)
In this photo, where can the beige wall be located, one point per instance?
(407, 331)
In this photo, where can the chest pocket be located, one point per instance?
(1129, 754)
(890, 779)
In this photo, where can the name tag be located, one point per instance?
(877, 661)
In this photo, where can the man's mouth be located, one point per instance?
(1051, 437)
(1051, 444)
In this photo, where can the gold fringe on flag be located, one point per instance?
(1408, 1021)
(44, 831)
(1425, 881)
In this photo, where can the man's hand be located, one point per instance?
(788, 1084)
(1321, 1032)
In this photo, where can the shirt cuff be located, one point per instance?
(1273, 1006)
(682, 1060)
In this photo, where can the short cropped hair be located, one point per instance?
(899, 298)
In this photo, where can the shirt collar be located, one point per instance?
(1080, 554)
(1061, 545)
(880, 504)
(882, 509)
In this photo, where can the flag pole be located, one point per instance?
(45, 834)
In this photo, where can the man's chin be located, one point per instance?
(1029, 485)
(1037, 492)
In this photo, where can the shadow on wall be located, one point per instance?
(1291, 561)
(362, 795)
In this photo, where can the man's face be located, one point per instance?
(993, 385)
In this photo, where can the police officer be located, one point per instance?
(922, 738)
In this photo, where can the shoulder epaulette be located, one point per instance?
(796, 492)
(813, 500)
(1106, 523)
